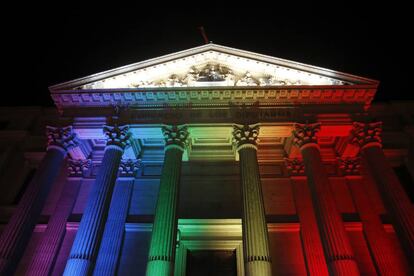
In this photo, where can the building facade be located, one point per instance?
(209, 161)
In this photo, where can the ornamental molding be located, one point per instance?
(129, 167)
(117, 135)
(363, 134)
(217, 72)
(245, 135)
(205, 97)
(295, 167)
(350, 165)
(211, 74)
(305, 134)
(175, 136)
(213, 63)
(79, 167)
(62, 137)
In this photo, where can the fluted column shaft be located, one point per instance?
(255, 235)
(383, 251)
(47, 252)
(311, 242)
(338, 251)
(397, 203)
(164, 231)
(395, 198)
(84, 250)
(106, 263)
(17, 232)
(336, 244)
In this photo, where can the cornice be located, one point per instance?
(208, 96)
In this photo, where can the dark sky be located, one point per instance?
(46, 45)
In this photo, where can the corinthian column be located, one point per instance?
(255, 237)
(383, 252)
(397, 203)
(17, 232)
(164, 230)
(338, 251)
(82, 256)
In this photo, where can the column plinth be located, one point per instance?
(164, 231)
(337, 248)
(17, 232)
(255, 236)
(84, 250)
(395, 199)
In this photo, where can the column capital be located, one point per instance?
(246, 136)
(176, 136)
(304, 134)
(349, 165)
(61, 137)
(117, 135)
(295, 167)
(366, 134)
(129, 167)
(78, 167)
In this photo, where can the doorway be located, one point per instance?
(211, 263)
(209, 247)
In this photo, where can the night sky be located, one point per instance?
(46, 45)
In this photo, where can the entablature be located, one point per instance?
(207, 97)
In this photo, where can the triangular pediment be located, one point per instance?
(213, 65)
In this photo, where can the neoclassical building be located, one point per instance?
(209, 161)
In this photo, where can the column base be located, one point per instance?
(344, 267)
(261, 268)
(78, 267)
(160, 268)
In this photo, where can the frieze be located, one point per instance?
(188, 113)
(210, 115)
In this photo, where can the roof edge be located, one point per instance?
(208, 47)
